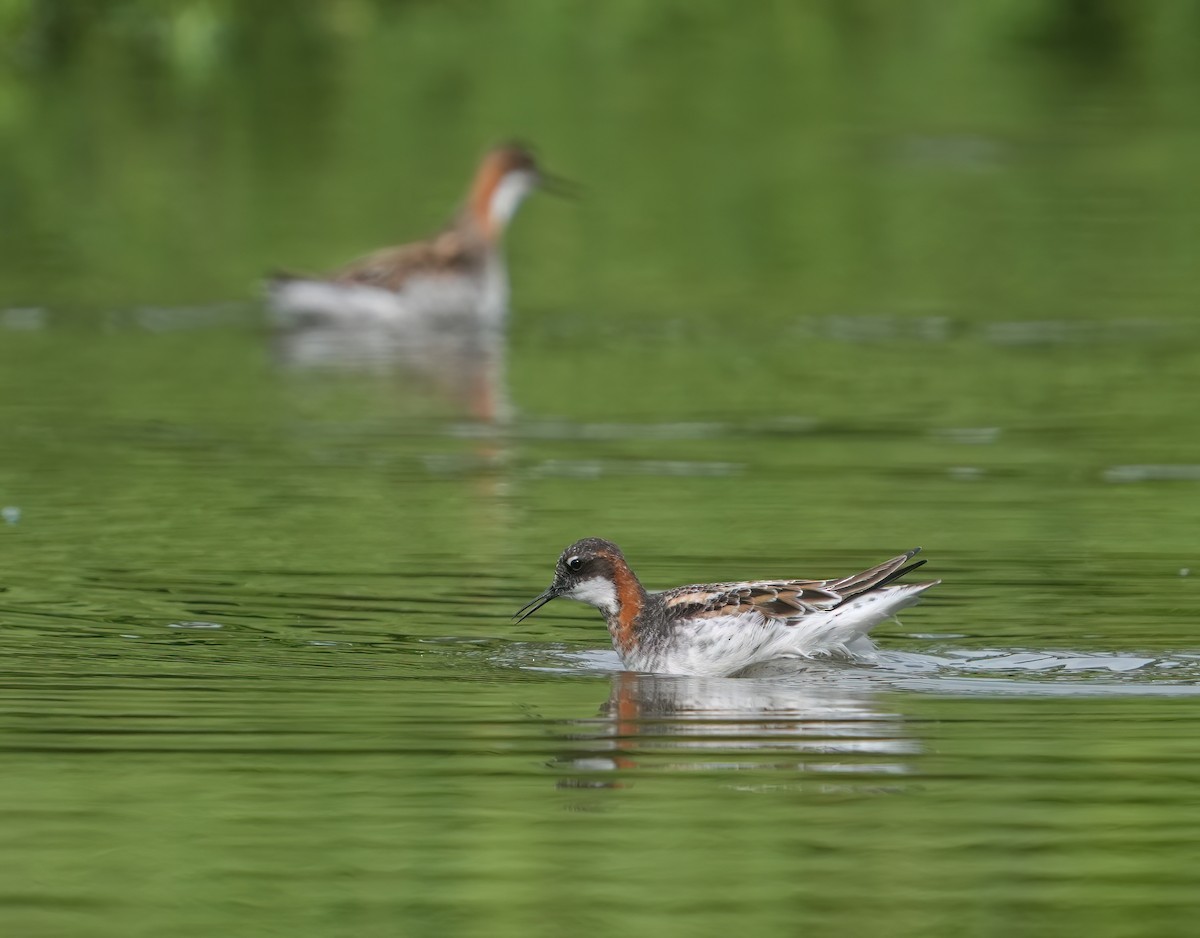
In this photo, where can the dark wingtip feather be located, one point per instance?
(899, 573)
(278, 277)
(855, 586)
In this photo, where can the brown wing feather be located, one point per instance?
(778, 599)
(449, 252)
(782, 599)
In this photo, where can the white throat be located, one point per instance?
(507, 197)
(598, 592)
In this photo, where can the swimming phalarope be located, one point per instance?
(456, 278)
(722, 628)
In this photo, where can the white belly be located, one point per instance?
(446, 301)
(724, 645)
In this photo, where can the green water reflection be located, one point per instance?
(848, 278)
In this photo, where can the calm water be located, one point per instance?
(840, 286)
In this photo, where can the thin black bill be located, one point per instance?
(534, 605)
(563, 188)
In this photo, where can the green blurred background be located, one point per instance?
(1027, 156)
(847, 277)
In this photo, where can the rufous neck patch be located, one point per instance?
(487, 180)
(631, 597)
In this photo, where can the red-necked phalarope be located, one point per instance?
(457, 277)
(721, 628)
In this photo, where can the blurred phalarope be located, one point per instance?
(456, 278)
(719, 629)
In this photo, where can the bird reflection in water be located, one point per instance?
(824, 721)
(464, 368)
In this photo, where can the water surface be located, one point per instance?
(841, 286)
